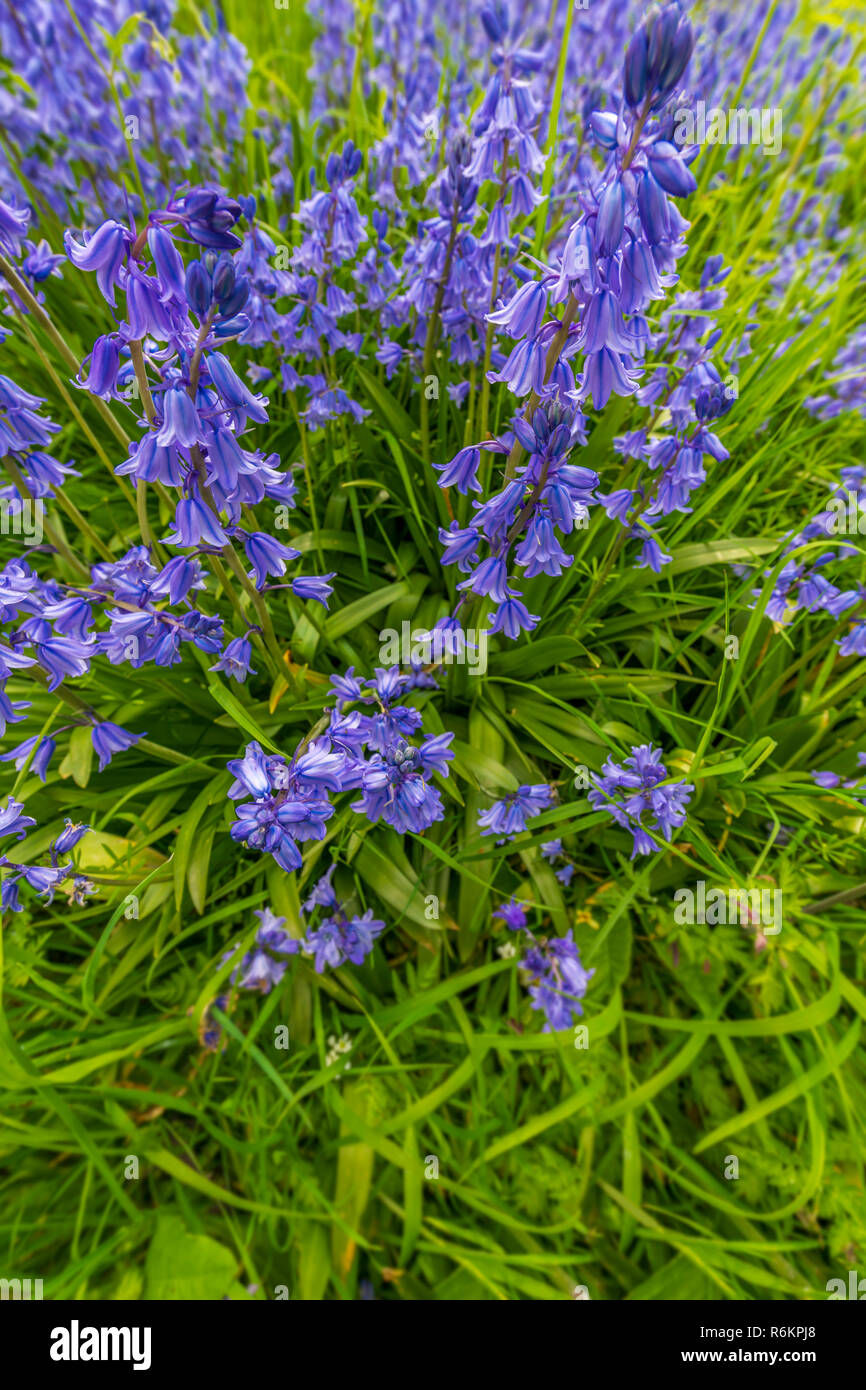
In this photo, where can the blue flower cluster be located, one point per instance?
(556, 979)
(617, 257)
(620, 253)
(370, 753)
(43, 879)
(53, 621)
(196, 408)
(518, 525)
(165, 356)
(639, 797)
(803, 584)
(289, 801)
(336, 937)
(168, 90)
(508, 816)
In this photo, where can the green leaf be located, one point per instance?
(181, 1266)
(79, 758)
(351, 617)
(354, 1174)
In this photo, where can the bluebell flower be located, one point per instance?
(395, 788)
(854, 642)
(13, 228)
(462, 471)
(461, 545)
(513, 914)
(635, 68)
(651, 554)
(617, 504)
(509, 816)
(827, 780)
(606, 373)
(259, 971)
(489, 578)
(102, 367)
(208, 215)
(11, 820)
(435, 753)
(540, 551)
(631, 791)
(60, 656)
(198, 288)
(68, 838)
(360, 936)
(13, 660)
(72, 616)
(41, 757)
(195, 525)
(180, 420)
(241, 401)
(669, 169)
(523, 315)
(168, 262)
(316, 587)
(339, 936)
(319, 767)
(512, 617)
(610, 218)
(39, 262)
(105, 251)
(255, 774)
(177, 579)
(236, 660)
(267, 556)
(44, 879)
(108, 739)
(325, 943)
(290, 804)
(558, 981)
(347, 688)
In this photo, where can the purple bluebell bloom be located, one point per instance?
(315, 587)
(236, 660)
(508, 817)
(44, 750)
(11, 820)
(109, 739)
(513, 914)
(105, 252)
(630, 791)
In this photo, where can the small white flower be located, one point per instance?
(337, 1048)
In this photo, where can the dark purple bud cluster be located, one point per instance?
(657, 57)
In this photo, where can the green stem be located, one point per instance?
(268, 643)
